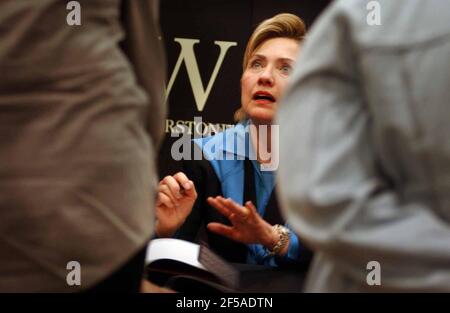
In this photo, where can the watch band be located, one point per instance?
(283, 233)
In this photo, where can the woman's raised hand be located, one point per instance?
(176, 197)
(247, 225)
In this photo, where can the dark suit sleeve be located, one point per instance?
(194, 229)
(191, 228)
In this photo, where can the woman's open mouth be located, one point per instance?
(263, 97)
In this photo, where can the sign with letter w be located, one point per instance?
(187, 55)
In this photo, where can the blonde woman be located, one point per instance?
(228, 192)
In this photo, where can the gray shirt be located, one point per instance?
(78, 133)
(368, 115)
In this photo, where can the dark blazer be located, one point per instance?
(194, 229)
(207, 185)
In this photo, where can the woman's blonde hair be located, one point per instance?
(283, 25)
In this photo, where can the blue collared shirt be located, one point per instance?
(226, 152)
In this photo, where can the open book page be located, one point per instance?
(182, 263)
(174, 249)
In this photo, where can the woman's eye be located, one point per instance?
(256, 65)
(286, 69)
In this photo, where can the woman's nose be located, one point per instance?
(266, 76)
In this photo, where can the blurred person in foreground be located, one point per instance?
(365, 152)
(79, 130)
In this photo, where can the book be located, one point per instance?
(189, 267)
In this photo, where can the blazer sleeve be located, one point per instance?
(194, 228)
(191, 228)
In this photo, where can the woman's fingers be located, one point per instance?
(223, 230)
(173, 186)
(177, 187)
(180, 185)
(163, 199)
(219, 206)
(249, 205)
(240, 211)
(189, 189)
(233, 211)
(165, 190)
(246, 227)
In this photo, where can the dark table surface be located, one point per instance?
(258, 278)
(252, 279)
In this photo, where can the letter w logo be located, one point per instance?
(188, 56)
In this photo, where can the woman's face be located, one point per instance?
(265, 78)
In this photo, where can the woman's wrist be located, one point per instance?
(164, 232)
(277, 241)
(271, 237)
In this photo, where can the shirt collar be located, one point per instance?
(236, 140)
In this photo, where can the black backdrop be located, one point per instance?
(229, 21)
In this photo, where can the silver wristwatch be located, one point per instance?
(283, 232)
